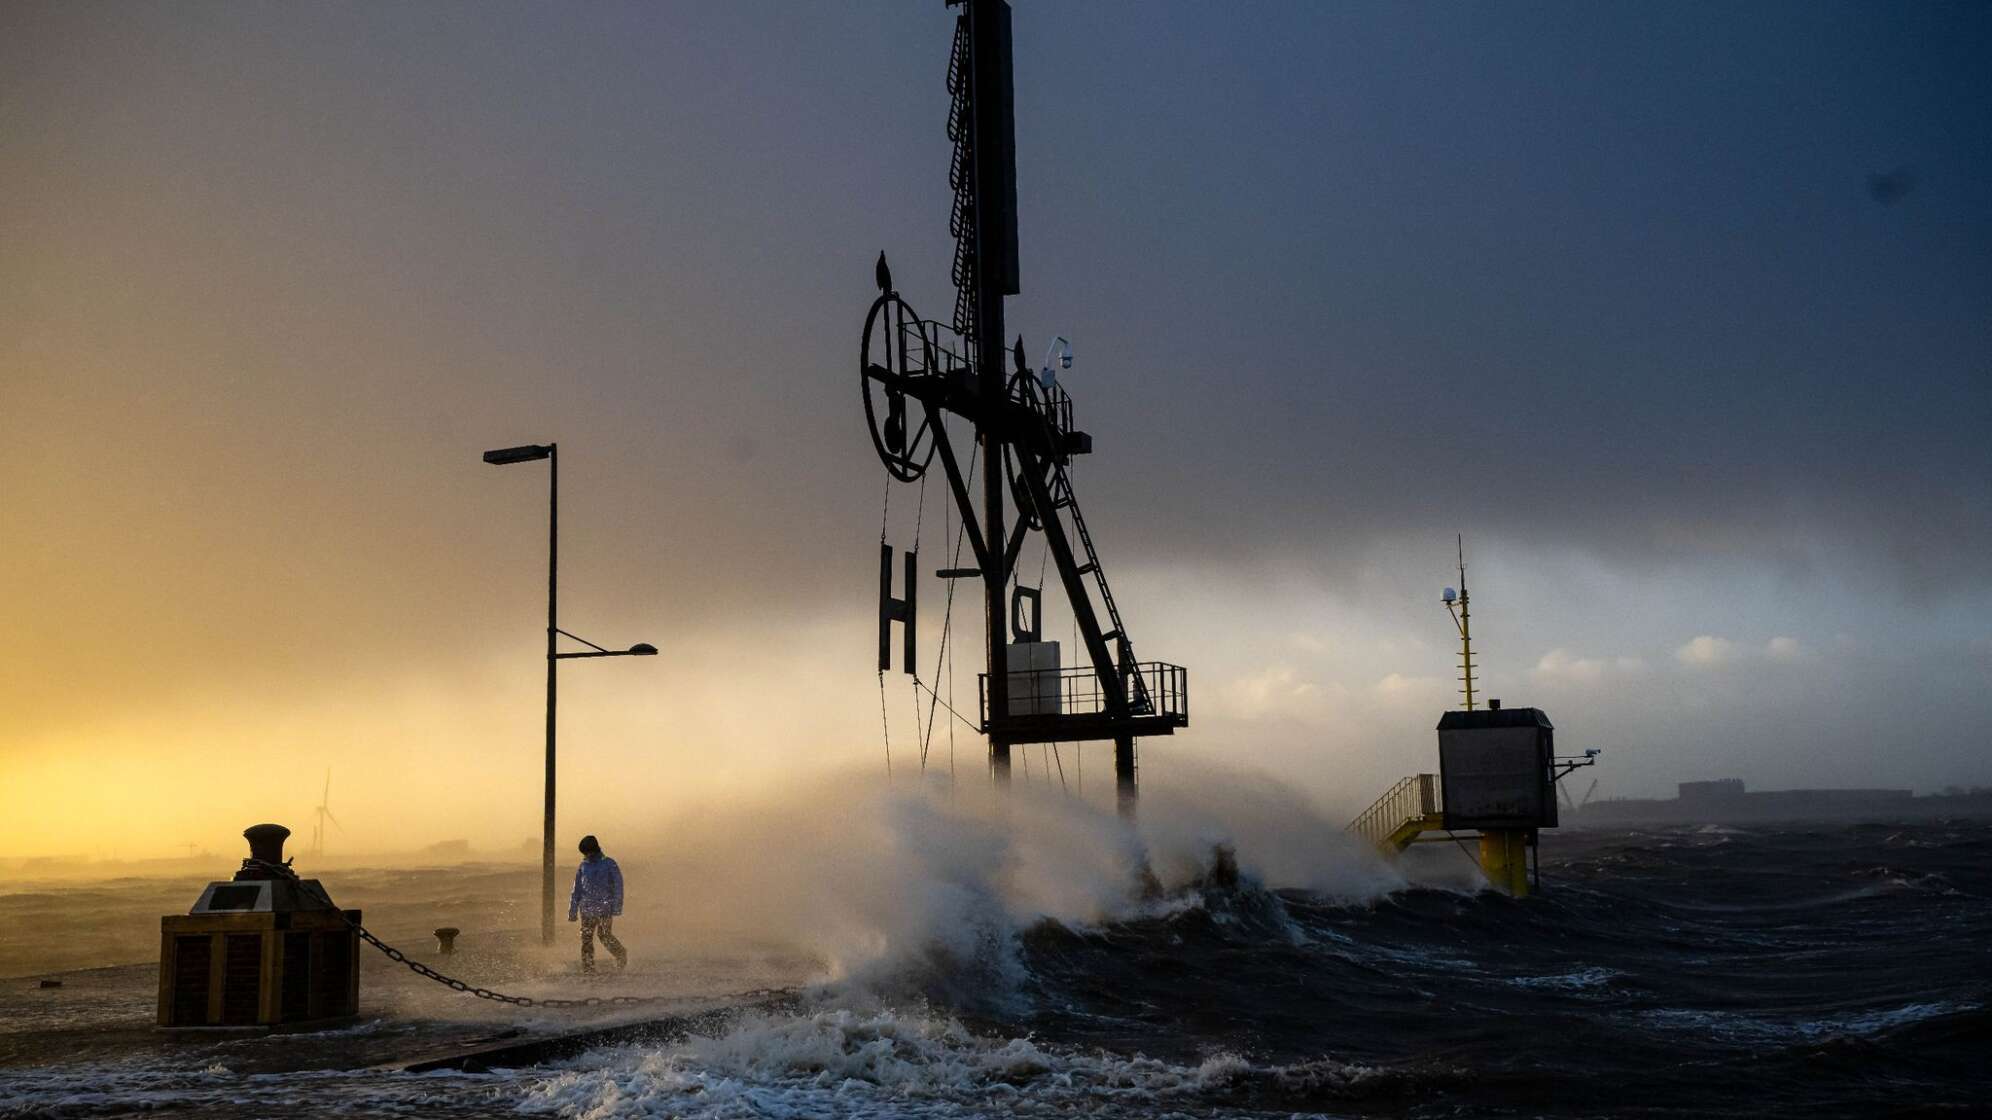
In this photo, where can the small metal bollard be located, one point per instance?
(446, 940)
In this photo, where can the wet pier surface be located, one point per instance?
(89, 1047)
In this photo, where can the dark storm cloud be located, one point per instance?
(1605, 277)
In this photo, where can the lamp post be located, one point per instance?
(528, 453)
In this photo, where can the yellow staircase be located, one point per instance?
(1409, 809)
(1412, 807)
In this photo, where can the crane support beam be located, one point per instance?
(993, 154)
(945, 447)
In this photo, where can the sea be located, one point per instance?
(1799, 970)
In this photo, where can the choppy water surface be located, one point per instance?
(1795, 971)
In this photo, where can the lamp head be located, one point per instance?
(1448, 596)
(643, 649)
(523, 454)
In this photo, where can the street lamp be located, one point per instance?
(527, 453)
(640, 649)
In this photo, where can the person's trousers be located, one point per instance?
(592, 925)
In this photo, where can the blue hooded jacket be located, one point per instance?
(597, 889)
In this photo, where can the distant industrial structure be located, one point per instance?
(1727, 801)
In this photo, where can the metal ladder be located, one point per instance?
(1063, 497)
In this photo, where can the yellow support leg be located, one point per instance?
(1504, 859)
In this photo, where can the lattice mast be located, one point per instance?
(983, 171)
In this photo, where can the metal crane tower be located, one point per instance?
(918, 374)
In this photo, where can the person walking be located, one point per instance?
(596, 902)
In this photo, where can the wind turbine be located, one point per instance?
(324, 812)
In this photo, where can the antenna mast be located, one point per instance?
(1463, 619)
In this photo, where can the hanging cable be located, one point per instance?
(913, 694)
(885, 509)
(1078, 749)
(940, 655)
(884, 724)
(885, 727)
(929, 689)
(946, 653)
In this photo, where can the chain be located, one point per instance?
(283, 870)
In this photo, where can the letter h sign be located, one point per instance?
(891, 610)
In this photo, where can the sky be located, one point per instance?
(1607, 289)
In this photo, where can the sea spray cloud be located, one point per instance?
(913, 890)
(1280, 838)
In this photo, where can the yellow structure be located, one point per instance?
(1504, 859)
(1412, 808)
(1497, 770)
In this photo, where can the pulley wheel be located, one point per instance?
(894, 353)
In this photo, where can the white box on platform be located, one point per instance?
(1035, 684)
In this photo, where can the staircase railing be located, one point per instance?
(1414, 798)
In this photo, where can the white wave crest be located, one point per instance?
(881, 1062)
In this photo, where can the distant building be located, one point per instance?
(1726, 800)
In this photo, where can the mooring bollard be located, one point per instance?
(263, 949)
(446, 940)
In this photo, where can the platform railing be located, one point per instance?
(1077, 691)
(1051, 401)
(1414, 798)
(933, 349)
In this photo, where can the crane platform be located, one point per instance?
(1070, 706)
